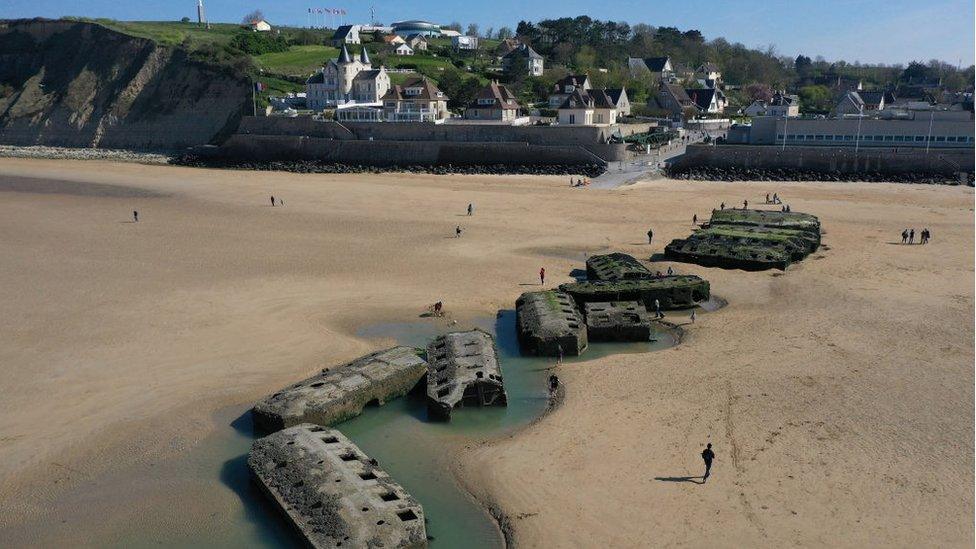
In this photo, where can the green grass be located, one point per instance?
(298, 60)
(173, 33)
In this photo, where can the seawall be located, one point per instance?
(834, 160)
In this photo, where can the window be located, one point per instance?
(799, 137)
(889, 138)
(779, 137)
(899, 138)
(829, 137)
(919, 138)
(951, 139)
(413, 91)
(809, 137)
(848, 138)
(940, 139)
(572, 119)
(488, 101)
(819, 137)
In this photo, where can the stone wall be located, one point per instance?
(393, 153)
(827, 159)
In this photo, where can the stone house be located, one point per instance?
(524, 53)
(566, 86)
(416, 100)
(347, 79)
(493, 102)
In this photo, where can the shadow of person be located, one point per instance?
(692, 480)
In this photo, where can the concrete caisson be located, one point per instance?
(332, 493)
(616, 266)
(618, 321)
(672, 292)
(463, 371)
(337, 394)
(549, 321)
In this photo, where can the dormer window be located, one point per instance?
(413, 91)
(570, 88)
(440, 94)
(488, 101)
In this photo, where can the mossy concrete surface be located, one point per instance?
(549, 322)
(463, 371)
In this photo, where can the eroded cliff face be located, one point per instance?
(75, 84)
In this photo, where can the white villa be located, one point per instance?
(346, 80)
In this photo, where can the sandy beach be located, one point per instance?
(838, 395)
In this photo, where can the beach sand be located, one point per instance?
(838, 395)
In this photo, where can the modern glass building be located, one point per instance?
(409, 28)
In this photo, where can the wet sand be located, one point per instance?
(839, 395)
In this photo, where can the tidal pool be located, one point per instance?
(416, 452)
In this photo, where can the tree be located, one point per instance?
(454, 26)
(504, 32)
(184, 20)
(758, 91)
(472, 29)
(256, 15)
(489, 32)
(815, 99)
(803, 65)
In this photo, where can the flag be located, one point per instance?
(343, 12)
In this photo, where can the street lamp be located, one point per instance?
(928, 139)
(857, 140)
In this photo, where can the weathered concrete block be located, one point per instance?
(548, 321)
(673, 292)
(616, 266)
(332, 493)
(618, 321)
(749, 239)
(463, 371)
(337, 394)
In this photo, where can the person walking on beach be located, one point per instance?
(272, 201)
(650, 236)
(542, 276)
(670, 271)
(135, 216)
(559, 354)
(722, 206)
(470, 209)
(745, 204)
(926, 235)
(767, 198)
(692, 316)
(694, 219)
(707, 456)
(904, 236)
(657, 309)
(457, 232)
(911, 236)
(553, 384)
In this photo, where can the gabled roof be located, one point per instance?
(577, 100)
(872, 99)
(429, 91)
(781, 99)
(678, 93)
(368, 74)
(575, 80)
(708, 66)
(524, 50)
(601, 100)
(343, 32)
(504, 98)
(855, 98)
(701, 96)
(616, 93)
(317, 78)
(656, 64)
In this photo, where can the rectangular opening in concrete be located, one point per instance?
(330, 440)
(389, 496)
(407, 515)
(349, 456)
(368, 475)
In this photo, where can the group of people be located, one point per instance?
(908, 236)
(581, 182)
(774, 199)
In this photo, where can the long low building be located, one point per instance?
(925, 129)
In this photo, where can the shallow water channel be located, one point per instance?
(416, 452)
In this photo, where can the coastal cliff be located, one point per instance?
(78, 84)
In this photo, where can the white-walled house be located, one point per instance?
(346, 80)
(524, 54)
(402, 49)
(587, 108)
